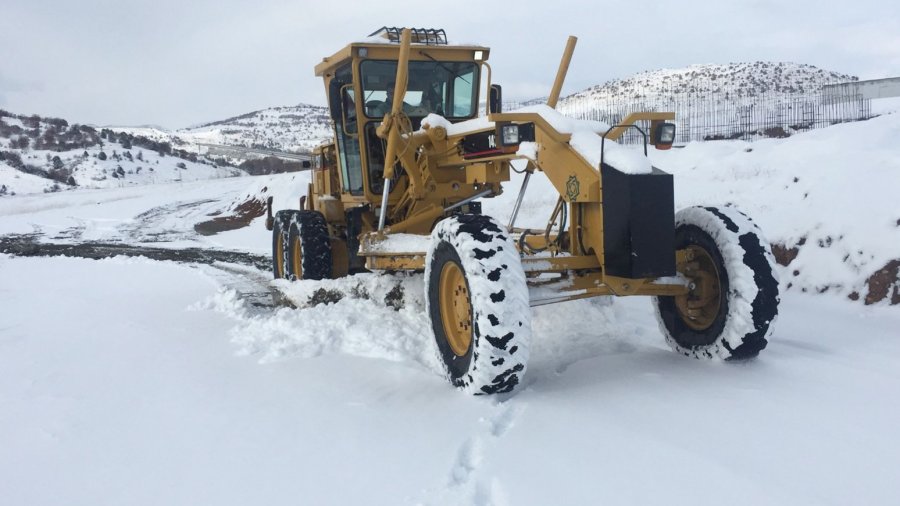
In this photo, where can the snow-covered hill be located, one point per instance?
(294, 128)
(735, 101)
(738, 79)
(48, 154)
(291, 129)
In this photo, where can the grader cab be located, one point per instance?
(400, 189)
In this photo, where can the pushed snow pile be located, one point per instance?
(384, 316)
(826, 199)
(246, 206)
(368, 315)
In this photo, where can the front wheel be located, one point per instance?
(733, 298)
(477, 299)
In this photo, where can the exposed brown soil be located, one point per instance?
(885, 283)
(784, 255)
(241, 217)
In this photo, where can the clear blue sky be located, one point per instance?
(180, 63)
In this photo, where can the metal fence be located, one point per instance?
(724, 115)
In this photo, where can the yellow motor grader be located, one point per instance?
(399, 189)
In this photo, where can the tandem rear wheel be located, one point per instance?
(301, 248)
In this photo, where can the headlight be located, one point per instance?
(509, 134)
(667, 134)
(664, 135)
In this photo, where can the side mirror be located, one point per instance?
(496, 98)
(663, 135)
(334, 100)
(305, 164)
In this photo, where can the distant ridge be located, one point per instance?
(289, 128)
(743, 79)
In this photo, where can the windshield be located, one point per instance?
(445, 88)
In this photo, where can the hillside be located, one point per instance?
(48, 154)
(736, 79)
(735, 101)
(294, 128)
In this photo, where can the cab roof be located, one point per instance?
(385, 42)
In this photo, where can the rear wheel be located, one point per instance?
(477, 299)
(733, 300)
(308, 253)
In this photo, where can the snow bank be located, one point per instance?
(830, 195)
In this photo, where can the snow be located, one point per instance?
(152, 407)
(144, 382)
(18, 182)
(400, 243)
(528, 150)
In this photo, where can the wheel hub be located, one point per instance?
(699, 307)
(456, 309)
(279, 255)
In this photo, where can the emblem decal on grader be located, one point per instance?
(412, 155)
(572, 188)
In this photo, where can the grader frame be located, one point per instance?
(411, 159)
(438, 175)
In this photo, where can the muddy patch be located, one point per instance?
(29, 246)
(241, 217)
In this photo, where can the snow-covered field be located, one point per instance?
(132, 381)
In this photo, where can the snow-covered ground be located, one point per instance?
(129, 392)
(131, 381)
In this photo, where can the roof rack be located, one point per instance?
(427, 36)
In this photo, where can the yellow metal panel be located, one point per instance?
(494, 172)
(559, 264)
(396, 263)
(331, 208)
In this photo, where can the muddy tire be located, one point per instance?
(308, 254)
(477, 300)
(733, 303)
(280, 242)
